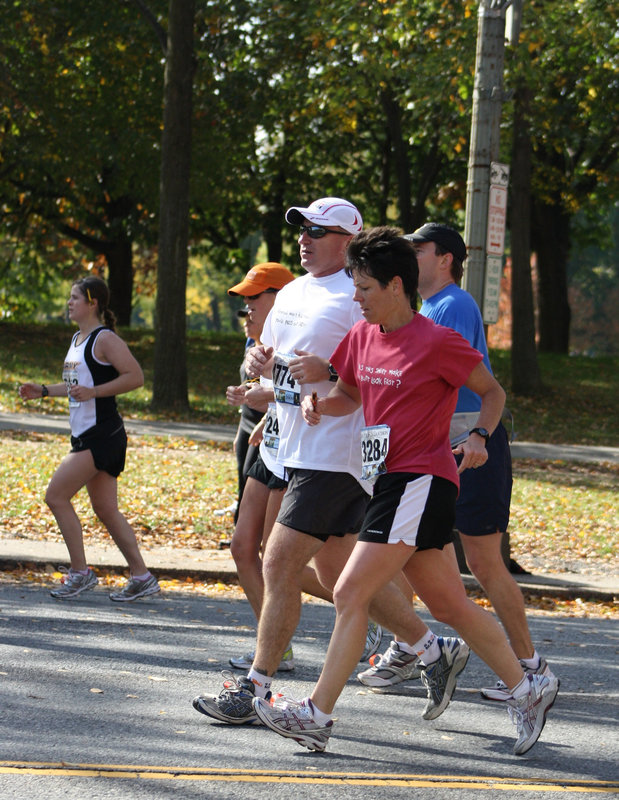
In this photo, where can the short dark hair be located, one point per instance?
(383, 253)
(457, 268)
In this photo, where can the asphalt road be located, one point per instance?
(95, 701)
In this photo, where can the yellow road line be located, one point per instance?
(304, 777)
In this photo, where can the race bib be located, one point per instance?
(69, 376)
(285, 388)
(374, 449)
(270, 434)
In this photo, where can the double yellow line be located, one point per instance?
(386, 780)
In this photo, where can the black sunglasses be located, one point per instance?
(256, 296)
(317, 231)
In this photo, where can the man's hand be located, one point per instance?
(474, 453)
(235, 395)
(258, 397)
(258, 360)
(308, 368)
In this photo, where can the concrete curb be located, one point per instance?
(218, 565)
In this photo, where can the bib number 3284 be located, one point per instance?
(374, 449)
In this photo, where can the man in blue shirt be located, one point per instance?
(482, 510)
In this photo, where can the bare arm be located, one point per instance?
(492, 396)
(32, 391)
(110, 348)
(343, 399)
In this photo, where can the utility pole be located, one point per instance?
(484, 147)
(486, 188)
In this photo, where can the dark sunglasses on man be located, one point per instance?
(317, 231)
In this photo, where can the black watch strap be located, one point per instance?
(333, 376)
(481, 432)
(44, 390)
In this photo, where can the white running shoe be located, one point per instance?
(294, 720)
(501, 693)
(233, 704)
(440, 677)
(74, 583)
(372, 641)
(134, 589)
(394, 666)
(528, 712)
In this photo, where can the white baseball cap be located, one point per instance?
(332, 212)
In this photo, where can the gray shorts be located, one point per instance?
(322, 503)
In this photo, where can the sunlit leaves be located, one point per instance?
(168, 491)
(564, 514)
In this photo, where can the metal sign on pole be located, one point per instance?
(495, 240)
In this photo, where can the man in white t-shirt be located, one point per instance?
(324, 505)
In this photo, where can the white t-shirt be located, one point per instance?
(313, 314)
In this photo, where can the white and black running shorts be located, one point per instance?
(418, 510)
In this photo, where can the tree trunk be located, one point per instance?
(272, 220)
(393, 117)
(526, 377)
(551, 242)
(170, 359)
(120, 280)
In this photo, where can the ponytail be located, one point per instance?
(94, 288)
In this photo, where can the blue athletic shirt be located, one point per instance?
(454, 308)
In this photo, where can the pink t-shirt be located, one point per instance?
(409, 380)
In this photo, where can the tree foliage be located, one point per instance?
(80, 123)
(370, 100)
(568, 59)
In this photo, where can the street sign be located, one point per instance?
(497, 213)
(495, 240)
(492, 289)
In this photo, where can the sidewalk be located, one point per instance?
(50, 423)
(218, 564)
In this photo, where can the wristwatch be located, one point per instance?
(44, 390)
(333, 376)
(480, 432)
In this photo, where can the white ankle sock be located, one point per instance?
(521, 688)
(533, 662)
(427, 648)
(262, 683)
(319, 716)
(405, 647)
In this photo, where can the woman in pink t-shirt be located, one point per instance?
(405, 370)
